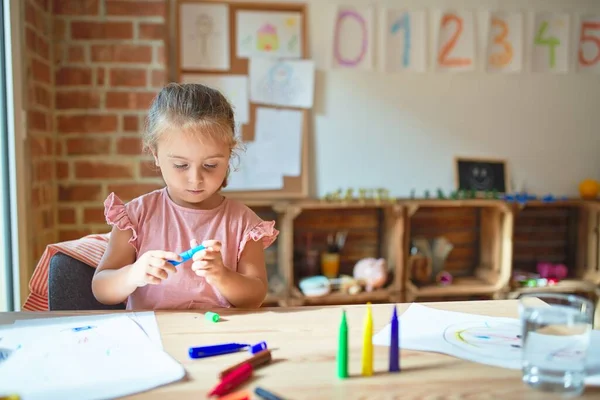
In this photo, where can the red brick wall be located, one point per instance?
(37, 29)
(110, 61)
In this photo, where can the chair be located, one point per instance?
(70, 286)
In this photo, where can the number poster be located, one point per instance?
(460, 40)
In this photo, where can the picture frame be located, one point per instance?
(481, 175)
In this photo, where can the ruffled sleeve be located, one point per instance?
(264, 231)
(115, 213)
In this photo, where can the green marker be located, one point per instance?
(211, 316)
(343, 348)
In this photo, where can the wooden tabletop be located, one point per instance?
(304, 344)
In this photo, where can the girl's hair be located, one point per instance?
(190, 107)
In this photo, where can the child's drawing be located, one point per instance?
(498, 340)
(204, 32)
(282, 82)
(267, 39)
(273, 34)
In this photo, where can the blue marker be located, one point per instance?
(257, 348)
(187, 255)
(82, 328)
(215, 350)
(264, 394)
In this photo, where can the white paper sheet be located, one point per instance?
(146, 320)
(204, 36)
(353, 37)
(233, 87)
(482, 339)
(256, 169)
(270, 34)
(551, 42)
(404, 40)
(505, 42)
(283, 129)
(588, 52)
(113, 358)
(455, 46)
(288, 83)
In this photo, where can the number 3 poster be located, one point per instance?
(455, 50)
(505, 42)
(551, 43)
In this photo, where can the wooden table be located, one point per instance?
(304, 353)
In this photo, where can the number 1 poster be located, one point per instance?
(455, 50)
(505, 42)
(551, 43)
(404, 40)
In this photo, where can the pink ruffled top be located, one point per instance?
(157, 223)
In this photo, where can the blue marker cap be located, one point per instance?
(215, 350)
(256, 348)
(187, 255)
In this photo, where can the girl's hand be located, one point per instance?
(208, 262)
(152, 267)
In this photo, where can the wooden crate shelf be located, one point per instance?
(481, 234)
(564, 232)
(373, 230)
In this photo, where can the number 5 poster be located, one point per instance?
(551, 43)
(505, 42)
(455, 49)
(588, 53)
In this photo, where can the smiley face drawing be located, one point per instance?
(481, 177)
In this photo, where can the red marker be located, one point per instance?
(232, 380)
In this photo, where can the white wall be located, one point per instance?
(546, 126)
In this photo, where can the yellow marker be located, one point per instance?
(367, 350)
(10, 397)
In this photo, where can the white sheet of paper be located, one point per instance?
(233, 87)
(505, 42)
(256, 169)
(588, 52)
(551, 42)
(455, 49)
(270, 34)
(353, 37)
(283, 129)
(204, 36)
(113, 358)
(146, 320)
(289, 83)
(482, 339)
(404, 39)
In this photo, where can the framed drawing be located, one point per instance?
(481, 175)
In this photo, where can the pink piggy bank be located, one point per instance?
(372, 271)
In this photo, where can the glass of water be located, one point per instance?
(556, 336)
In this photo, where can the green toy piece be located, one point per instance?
(440, 194)
(427, 195)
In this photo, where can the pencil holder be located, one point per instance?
(330, 264)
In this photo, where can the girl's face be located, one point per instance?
(193, 170)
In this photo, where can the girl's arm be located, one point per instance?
(111, 283)
(246, 288)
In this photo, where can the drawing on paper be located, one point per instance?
(267, 39)
(280, 84)
(204, 29)
(497, 340)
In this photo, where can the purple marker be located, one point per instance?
(394, 343)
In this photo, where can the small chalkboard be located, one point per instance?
(481, 175)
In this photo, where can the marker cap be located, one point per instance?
(256, 348)
(211, 316)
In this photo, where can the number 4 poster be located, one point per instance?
(588, 53)
(505, 42)
(551, 42)
(455, 50)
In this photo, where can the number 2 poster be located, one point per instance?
(455, 50)
(550, 43)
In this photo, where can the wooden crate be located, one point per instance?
(481, 234)
(373, 230)
(275, 255)
(564, 232)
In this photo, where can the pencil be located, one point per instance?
(367, 350)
